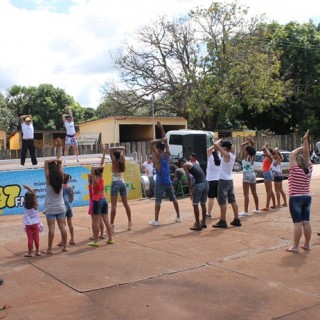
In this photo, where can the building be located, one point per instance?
(121, 129)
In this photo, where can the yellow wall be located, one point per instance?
(15, 141)
(109, 127)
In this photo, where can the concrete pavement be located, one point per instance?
(166, 272)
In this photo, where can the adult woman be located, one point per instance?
(267, 177)
(278, 177)
(54, 207)
(99, 206)
(249, 176)
(118, 185)
(300, 172)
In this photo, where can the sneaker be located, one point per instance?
(93, 244)
(109, 241)
(243, 214)
(203, 224)
(255, 211)
(178, 220)
(129, 226)
(196, 227)
(220, 224)
(208, 216)
(154, 223)
(236, 223)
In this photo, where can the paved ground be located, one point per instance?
(166, 272)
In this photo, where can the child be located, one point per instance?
(68, 198)
(31, 221)
(90, 210)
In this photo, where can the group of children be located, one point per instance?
(98, 205)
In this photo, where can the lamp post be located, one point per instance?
(153, 125)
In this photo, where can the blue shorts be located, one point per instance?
(226, 191)
(55, 216)
(69, 213)
(267, 176)
(160, 189)
(200, 193)
(100, 207)
(300, 207)
(118, 187)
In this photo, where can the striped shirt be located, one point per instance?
(299, 182)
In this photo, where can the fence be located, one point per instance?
(140, 149)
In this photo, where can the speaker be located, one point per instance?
(196, 143)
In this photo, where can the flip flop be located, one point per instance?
(265, 209)
(305, 248)
(72, 243)
(47, 252)
(292, 250)
(273, 207)
(64, 250)
(38, 254)
(27, 255)
(93, 244)
(60, 244)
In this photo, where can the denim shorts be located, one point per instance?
(300, 207)
(69, 213)
(226, 191)
(200, 193)
(118, 187)
(249, 177)
(71, 141)
(160, 189)
(55, 216)
(267, 176)
(100, 207)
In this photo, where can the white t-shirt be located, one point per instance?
(149, 167)
(212, 169)
(27, 130)
(70, 128)
(227, 167)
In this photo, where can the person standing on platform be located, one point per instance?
(71, 140)
(27, 139)
(161, 156)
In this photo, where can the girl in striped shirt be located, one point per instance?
(300, 172)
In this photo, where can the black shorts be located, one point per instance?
(213, 189)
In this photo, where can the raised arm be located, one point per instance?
(23, 117)
(69, 114)
(103, 148)
(29, 188)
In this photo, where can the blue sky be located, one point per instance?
(68, 43)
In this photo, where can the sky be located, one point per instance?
(70, 43)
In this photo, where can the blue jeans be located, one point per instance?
(161, 188)
(300, 208)
(200, 193)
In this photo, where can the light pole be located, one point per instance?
(153, 124)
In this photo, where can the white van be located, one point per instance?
(184, 142)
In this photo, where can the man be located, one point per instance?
(27, 139)
(71, 140)
(179, 174)
(161, 155)
(225, 189)
(213, 170)
(147, 167)
(198, 193)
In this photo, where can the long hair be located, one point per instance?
(55, 178)
(30, 200)
(120, 161)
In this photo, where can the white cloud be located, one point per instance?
(70, 47)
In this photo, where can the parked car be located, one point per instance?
(284, 164)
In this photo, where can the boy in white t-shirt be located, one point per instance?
(27, 139)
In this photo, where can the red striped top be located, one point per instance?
(299, 182)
